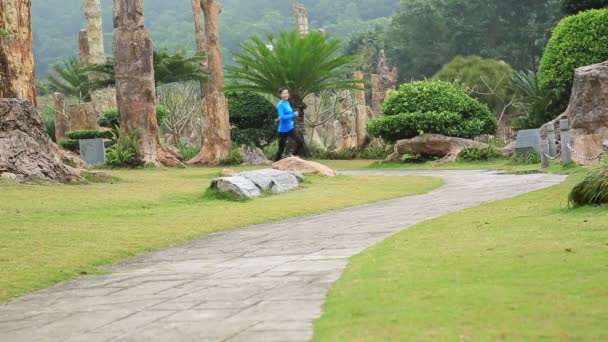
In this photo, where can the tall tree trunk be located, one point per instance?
(92, 11)
(17, 77)
(135, 88)
(216, 142)
(361, 110)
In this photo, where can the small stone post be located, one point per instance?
(83, 45)
(551, 140)
(564, 127)
(544, 146)
(61, 119)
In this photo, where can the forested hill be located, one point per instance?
(57, 22)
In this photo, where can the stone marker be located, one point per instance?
(528, 140)
(92, 151)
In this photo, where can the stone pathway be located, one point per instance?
(260, 283)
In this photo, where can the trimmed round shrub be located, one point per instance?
(577, 41)
(252, 118)
(592, 189)
(431, 107)
(70, 145)
(483, 76)
(88, 134)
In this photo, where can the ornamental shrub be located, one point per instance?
(252, 118)
(431, 107)
(479, 154)
(70, 145)
(488, 79)
(577, 41)
(88, 134)
(592, 189)
(124, 152)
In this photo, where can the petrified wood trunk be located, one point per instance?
(135, 88)
(433, 145)
(216, 141)
(16, 53)
(62, 122)
(83, 46)
(361, 110)
(92, 11)
(82, 116)
(26, 150)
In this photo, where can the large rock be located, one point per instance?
(239, 186)
(587, 110)
(588, 146)
(433, 145)
(26, 150)
(253, 156)
(272, 180)
(303, 166)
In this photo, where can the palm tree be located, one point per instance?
(305, 64)
(71, 78)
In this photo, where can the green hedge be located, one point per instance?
(252, 118)
(70, 144)
(577, 41)
(479, 154)
(88, 134)
(431, 107)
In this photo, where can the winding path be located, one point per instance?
(260, 283)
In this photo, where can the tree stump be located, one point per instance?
(62, 123)
(82, 116)
(26, 150)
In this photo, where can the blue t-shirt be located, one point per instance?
(286, 116)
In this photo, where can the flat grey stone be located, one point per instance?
(92, 151)
(261, 283)
(237, 185)
(272, 180)
(528, 140)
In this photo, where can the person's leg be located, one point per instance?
(282, 140)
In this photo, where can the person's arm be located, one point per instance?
(286, 112)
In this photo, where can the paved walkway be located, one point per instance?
(260, 283)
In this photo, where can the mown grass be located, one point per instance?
(521, 269)
(50, 233)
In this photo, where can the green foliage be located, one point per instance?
(592, 189)
(109, 118)
(374, 152)
(431, 107)
(367, 46)
(426, 34)
(305, 65)
(486, 79)
(415, 158)
(48, 120)
(537, 104)
(88, 134)
(577, 41)
(234, 158)
(188, 151)
(479, 154)
(576, 6)
(124, 153)
(271, 150)
(525, 158)
(71, 78)
(252, 118)
(70, 145)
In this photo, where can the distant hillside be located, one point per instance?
(57, 22)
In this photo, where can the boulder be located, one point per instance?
(272, 180)
(509, 150)
(253, 156)
(587, 110)
(433, 145)
(589, 146)
(303, 166)
(239, 186)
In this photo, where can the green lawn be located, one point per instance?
(522, 269)
(49, 233)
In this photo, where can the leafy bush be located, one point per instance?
(577, 41)
(70, 145)
(537, 104)
(592, 189)
(234, 157)
(48, 119)
(252, 118)
(89, 134)
(479, 154)
(431, 107)
(527, 158)
(414, 158)
(576, 6)
(317, 152)
(124, 152)
(271, 150)
(111, 117)
(374, 152)
(488, 80)
(189, 152)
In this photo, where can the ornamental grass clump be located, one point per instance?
(592, 189)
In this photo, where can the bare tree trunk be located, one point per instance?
(83, 45)
(361, 110)
(17, 77)
(135, 88)
(216, 142)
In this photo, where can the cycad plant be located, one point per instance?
(71, 78)
(539, 105)
(305, 64)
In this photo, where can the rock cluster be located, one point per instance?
(254, 183)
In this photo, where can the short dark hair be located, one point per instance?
(281, 90)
